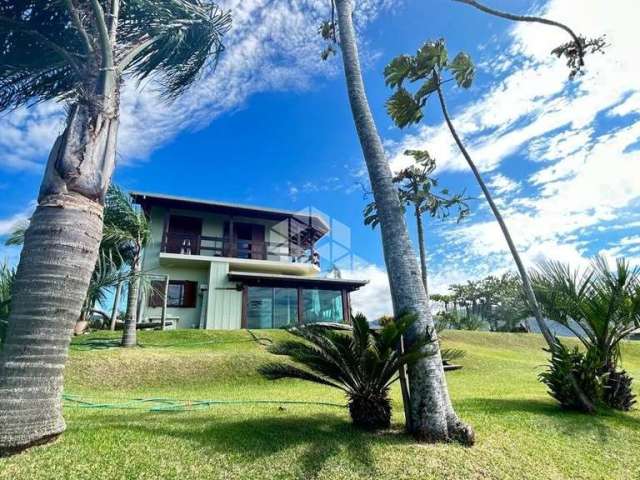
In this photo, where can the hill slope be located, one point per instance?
(521, 433)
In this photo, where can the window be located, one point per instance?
(274, 307)
(180, 294)
(322, 306)
(269, 307)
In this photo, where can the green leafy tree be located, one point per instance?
(429, 67)
(416, 186)
(601, 307)
(78, 52)
(429, 412)
(7, 276)
(362, 363)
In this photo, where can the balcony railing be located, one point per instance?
(190, 244)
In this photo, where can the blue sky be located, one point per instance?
(272, 127)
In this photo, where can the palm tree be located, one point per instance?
(7, 276)
(127, 228)
(405, 108)
(415, 188)
(601, 307)
(432, 416)
(78, 52)
(362, 363)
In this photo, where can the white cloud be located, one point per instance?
(501, 184)
(273, 45)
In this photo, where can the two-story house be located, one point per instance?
(229, 266)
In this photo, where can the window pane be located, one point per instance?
(285, 307)
(322, 306)
(175, 294)
(260, 307)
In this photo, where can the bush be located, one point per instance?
(361, 362)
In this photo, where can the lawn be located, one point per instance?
(520, 431)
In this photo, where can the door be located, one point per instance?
(184, 235)
(246, 241)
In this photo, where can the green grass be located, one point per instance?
(520, 431)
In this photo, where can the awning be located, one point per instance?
(268, 279)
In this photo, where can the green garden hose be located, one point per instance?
(173, 405)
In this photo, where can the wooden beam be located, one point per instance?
(300, 307)
(163, 319)
(165, 231)
(346, 307)
(244, 322)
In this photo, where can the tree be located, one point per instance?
(428, 66)
(127, 228)
(415, 188)
(78, 52)
(7, 276)
(432, 416)
(363, 363)
(601, 307)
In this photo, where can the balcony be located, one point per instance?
(189, 244)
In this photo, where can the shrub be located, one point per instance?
(361, 362)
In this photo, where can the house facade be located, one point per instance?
(218, 265)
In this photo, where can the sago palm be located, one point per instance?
(362, 363)
(601, 306)
(78, 52)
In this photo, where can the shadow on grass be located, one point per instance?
(95, 344)
(313, 440)
(567, 421)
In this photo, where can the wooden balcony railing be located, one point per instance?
(190, 244)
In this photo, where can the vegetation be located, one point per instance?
(7, 275)
(79, 53)
(523, 435)
(126, 228)
(362, 363)
(601, 307)
(496, 302)
(416, 186)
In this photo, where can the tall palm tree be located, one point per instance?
(77, 52)
(127, 228)
(428, 66)
(432, 416)
(416, 186)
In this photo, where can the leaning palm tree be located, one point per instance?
(127, 228)
(78, 52)
(428, 67)
(431, 414)
(362, 363)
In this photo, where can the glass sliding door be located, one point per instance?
(322, 306)
(285, 307)
(269, 307)
(260, 307)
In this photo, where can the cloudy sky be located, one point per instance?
(271, 126)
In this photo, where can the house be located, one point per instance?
(229, 266)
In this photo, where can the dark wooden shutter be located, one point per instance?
(157, 292)
(190, 294)
(258, 246)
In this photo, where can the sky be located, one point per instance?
(271, 126)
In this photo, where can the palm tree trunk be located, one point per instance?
(423, 255)
(58, 257)
(432, 415)
(526, 283)
(116, 305)
(129, 334)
